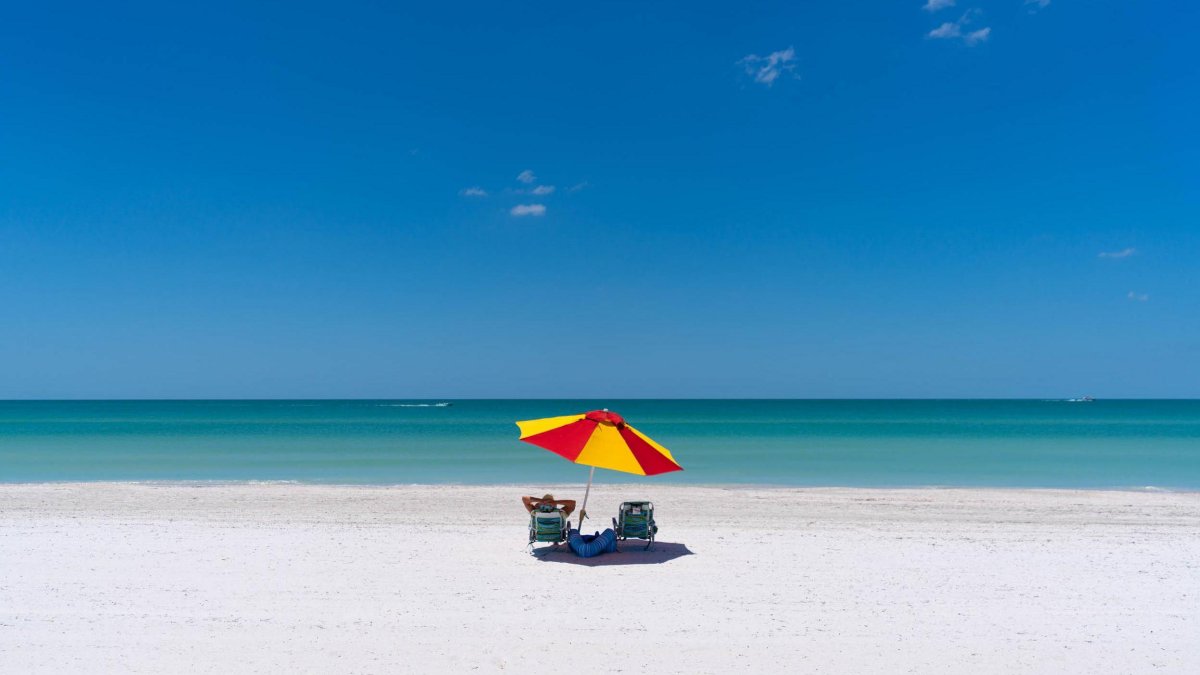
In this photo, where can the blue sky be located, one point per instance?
(817, 199)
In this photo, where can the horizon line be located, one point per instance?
(568, 398)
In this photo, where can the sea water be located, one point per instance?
(1006, 443)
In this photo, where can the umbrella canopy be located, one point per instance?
(600, 439)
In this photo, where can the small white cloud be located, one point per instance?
(526, 176)
(767, 69)
(473, 192)
(1037, 4)
(578, 186)
(975, 37)
(935, 5)
(946, 30)
(1123, 253)
(542, 190)
(528, 210)
(1138, 297)
(952, 30)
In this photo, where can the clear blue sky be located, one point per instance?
(796, 199)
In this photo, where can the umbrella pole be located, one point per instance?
(585, 496)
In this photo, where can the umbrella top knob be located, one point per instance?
(606, 417)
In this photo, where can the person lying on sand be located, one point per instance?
(531, 503)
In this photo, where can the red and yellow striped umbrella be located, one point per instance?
(602, 439)
(599, 439)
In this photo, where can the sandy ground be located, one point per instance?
(292, 578)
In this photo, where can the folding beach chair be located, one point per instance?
(636, 521)
(548, 524)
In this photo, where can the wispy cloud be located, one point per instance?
(1139, 297)
(578, 186)
(1123, 253)
(528, 210)
(976, 36)
(526, 176)
(475, 191)
(935, 5)
(946, 30)
(952, 30)
(766, 69)
(1037, 4)
(542, 190)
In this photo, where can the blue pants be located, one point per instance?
(586, 546)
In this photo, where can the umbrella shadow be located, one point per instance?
(631, 553)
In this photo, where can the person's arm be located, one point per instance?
(567, 505)
(528, 502)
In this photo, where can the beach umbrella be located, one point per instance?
(599, 439)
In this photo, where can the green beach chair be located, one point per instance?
(549, 525)
(636, 521)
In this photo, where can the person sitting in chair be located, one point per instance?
(532, 503)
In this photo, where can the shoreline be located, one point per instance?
(650, 484)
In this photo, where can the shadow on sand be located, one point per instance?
(631, 553)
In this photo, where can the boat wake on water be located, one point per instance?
(416, 405)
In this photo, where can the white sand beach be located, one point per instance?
(267, 578)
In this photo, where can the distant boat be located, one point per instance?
(1081, 399)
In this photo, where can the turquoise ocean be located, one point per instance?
(1134, 444)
